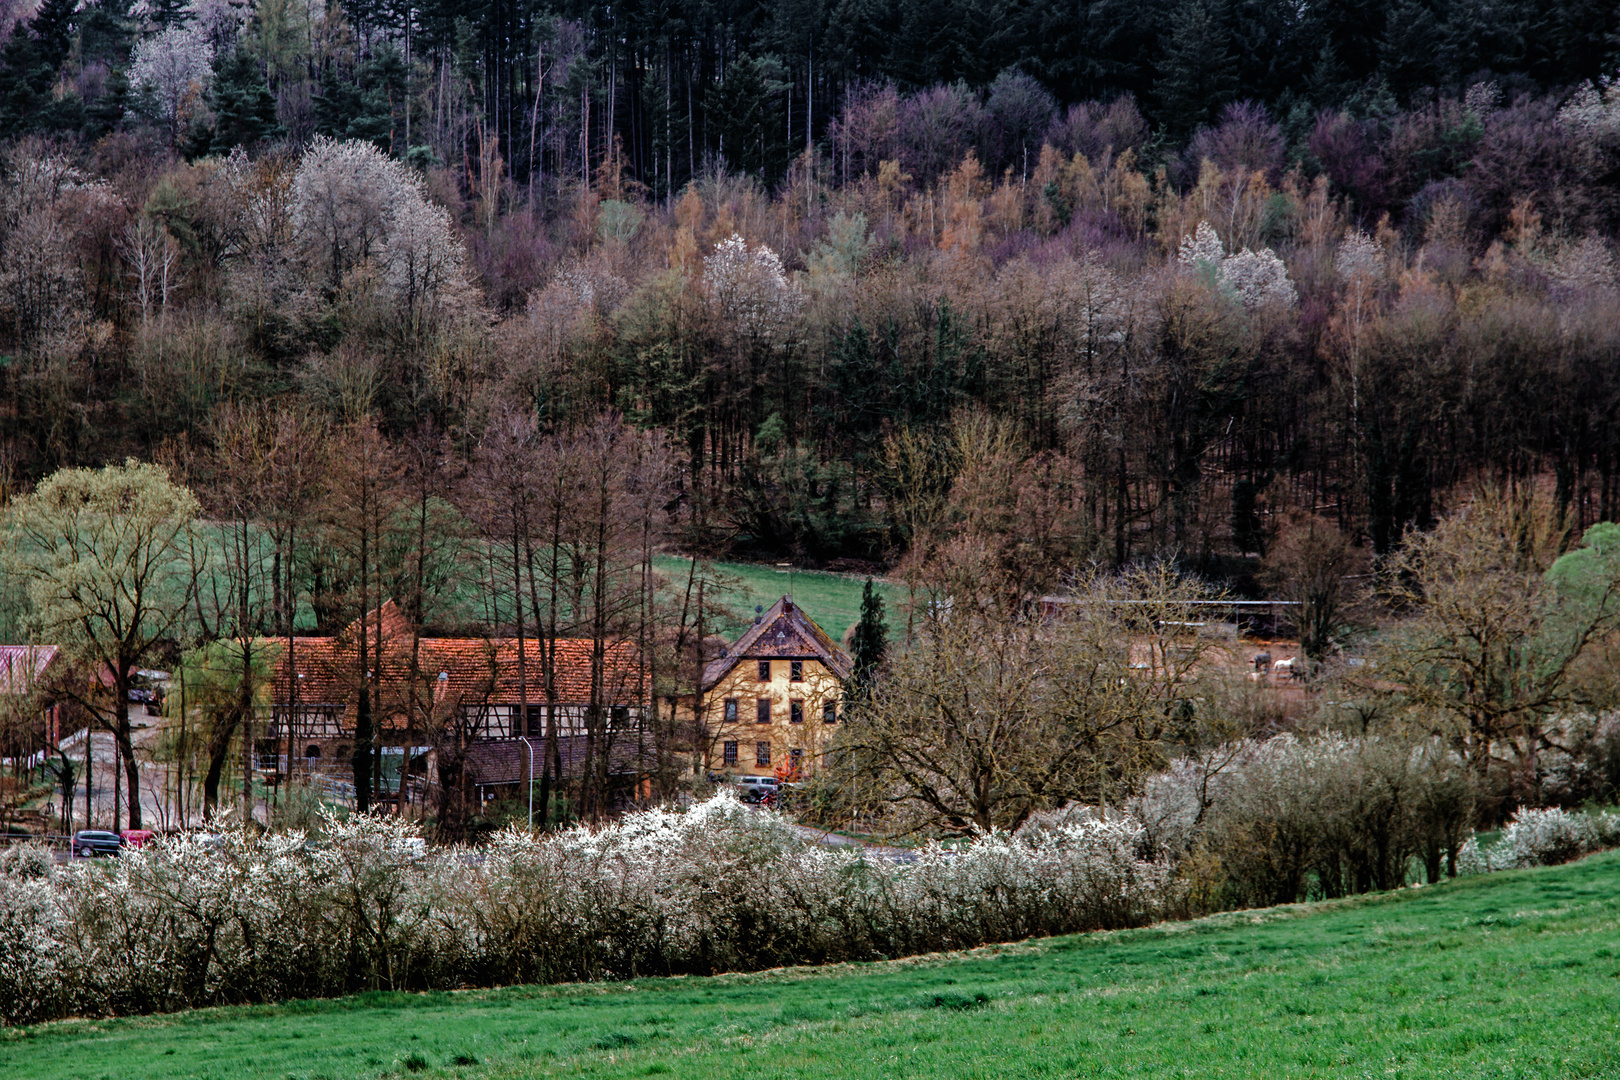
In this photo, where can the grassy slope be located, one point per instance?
(833, 600)
(1515, 975)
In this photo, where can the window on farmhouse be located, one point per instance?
(829, 713)
(731, 753)
(764, 671)
(796, 712)
(620, 716)
(796, 670)
(731, 710)
(762, 753)
(762, 710)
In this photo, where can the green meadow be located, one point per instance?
(833, 600)
(1514, 975)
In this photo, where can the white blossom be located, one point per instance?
(1359, 258)
(1259, 278)
(750, 289)
(1202, 249)
(175, 67)
(1256, 278)
(720, 887)
(1592, 114)
(355, 207)
(1582, 265)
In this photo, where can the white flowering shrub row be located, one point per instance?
(717, 888)
(1542, 838)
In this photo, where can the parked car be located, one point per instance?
(88, 843)
(757, 789)
(137, 838)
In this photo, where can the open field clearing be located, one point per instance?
(1511, 975)
(833, 600)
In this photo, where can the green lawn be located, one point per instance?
(1514, 975)
(833, 600)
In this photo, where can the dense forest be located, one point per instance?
(1094, 280)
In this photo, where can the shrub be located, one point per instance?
(720, 887)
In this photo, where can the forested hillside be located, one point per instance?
(1092, 280)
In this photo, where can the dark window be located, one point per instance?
(620, 716)
(731, 710)
(312, 750)
(536, 720)
(796, 711)
(829, 713)
(731, 753)
(764, 671)
(762, 710)
(797, 755)
(762, 753)
(796, 670)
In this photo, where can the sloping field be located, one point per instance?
(833, 600)
(1515, 975)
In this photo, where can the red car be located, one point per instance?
(137, 838)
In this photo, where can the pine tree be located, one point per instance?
(871, 641)
(1197, 74)
(244, 108)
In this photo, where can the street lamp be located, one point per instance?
(530, 744)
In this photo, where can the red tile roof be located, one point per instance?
(22, 667)
(475, 670)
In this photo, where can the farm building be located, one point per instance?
(430, 692)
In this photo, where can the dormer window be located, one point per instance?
(796, 670)
(764, 671)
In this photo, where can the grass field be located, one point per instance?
(1515, 975)
(833, 600)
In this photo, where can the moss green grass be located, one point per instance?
(1515, 975)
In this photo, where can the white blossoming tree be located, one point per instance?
(749, 289)
(175, 68)
(1359, 259)
(1257, 278)
(355, 208)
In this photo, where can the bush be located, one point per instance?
(1290, 818)
(720, 887)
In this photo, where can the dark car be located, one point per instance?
(88, 843)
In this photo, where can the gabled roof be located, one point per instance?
(22, 667)
(477, 671)
(784, 632)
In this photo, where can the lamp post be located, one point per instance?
(530, 744)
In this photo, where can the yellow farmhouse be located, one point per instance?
(771, 700)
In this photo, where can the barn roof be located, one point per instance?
(463, 671)
(22, 667)
(784, 632)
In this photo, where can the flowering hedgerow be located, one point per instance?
(366, 906)
(1542, 838)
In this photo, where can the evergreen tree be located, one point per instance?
(244, 108)
(1197, 74)
(871, 641)
(28, 68)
